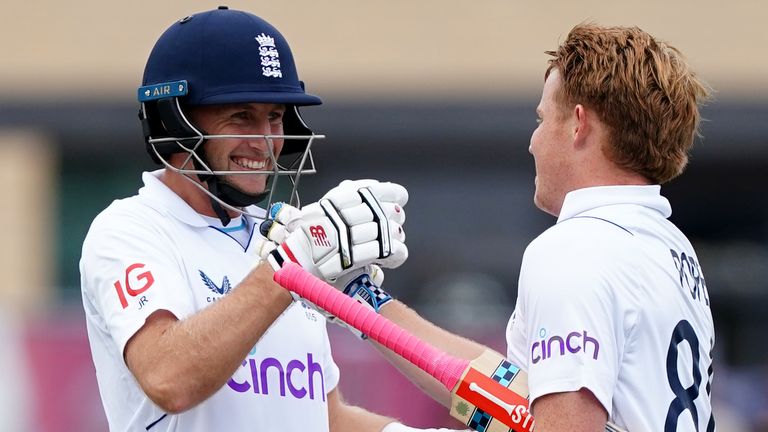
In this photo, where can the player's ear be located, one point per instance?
(581, 124)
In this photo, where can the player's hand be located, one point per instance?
(362, 205)
(363, 285)
(356, 224)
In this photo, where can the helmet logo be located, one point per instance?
(163, 90)
(270, 61)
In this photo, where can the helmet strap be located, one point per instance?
(224, 192)
(231, 196)
(217, 207)
(220, 212)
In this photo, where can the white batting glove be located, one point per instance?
(353, 225)
(362, 283)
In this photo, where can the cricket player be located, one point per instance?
(188, 331)
(613, 317)
(612, 320)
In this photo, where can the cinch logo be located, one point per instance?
(575, 342)
(297, 377)
(146, 278)
(318, 234)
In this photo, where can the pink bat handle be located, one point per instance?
(446, 368)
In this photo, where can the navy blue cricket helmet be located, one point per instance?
(218, 57)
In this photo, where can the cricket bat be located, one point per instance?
(488, 394)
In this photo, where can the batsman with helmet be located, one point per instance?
(187, 329)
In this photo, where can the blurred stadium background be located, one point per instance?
(436, 95)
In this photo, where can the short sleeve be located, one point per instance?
(572, 336)
(130, 270)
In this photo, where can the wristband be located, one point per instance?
(362, 288)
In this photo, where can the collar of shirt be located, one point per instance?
(582, 200)
(163, 197)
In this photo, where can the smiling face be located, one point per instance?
(551, 148)
(241, 154)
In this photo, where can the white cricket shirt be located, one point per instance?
(612, 299)
(152, 251)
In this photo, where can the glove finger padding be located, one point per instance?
(359, 234)
(289, 215)
(345, 194)
(273, 230)
(281, 217)
(349, 203)
(377, 274)
(369, 231)
(263, 247)
(390, 192)
(349, 228)
(361, 213)
(397, 257)
(365, 253)
(394, 212)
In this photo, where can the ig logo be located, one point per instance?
(145, 278)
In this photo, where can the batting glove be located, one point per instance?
(362, 283)
(354, 225)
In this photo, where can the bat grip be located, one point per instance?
(445, 368)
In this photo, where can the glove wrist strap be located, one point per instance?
(363, 289)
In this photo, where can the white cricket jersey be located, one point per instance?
(612, 298)
(151, 252)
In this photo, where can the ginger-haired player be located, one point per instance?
(612, 321)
